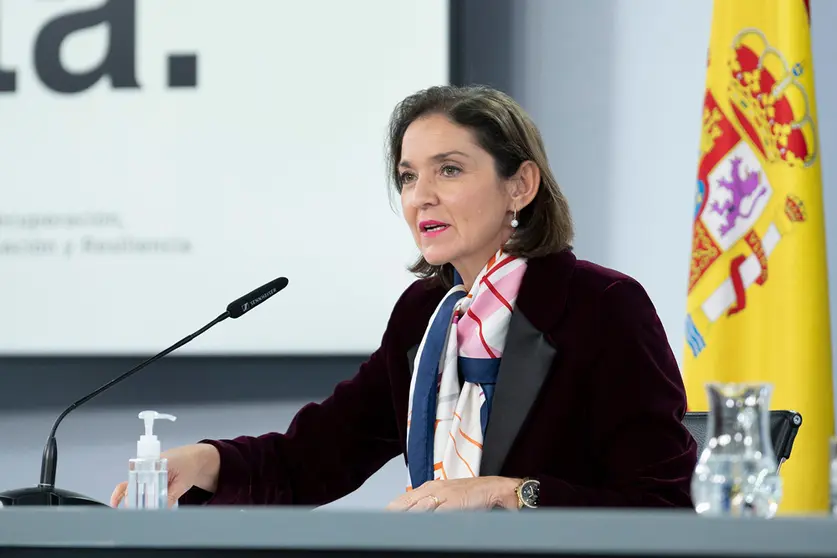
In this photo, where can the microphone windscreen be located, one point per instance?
(244, 304)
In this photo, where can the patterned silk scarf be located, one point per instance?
(467, 335)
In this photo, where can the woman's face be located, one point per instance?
(456, 205)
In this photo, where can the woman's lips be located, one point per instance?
(430, 228)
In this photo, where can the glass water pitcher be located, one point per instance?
(737, 472)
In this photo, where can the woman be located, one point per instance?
(510, 375)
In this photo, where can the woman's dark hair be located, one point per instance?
(502, 128)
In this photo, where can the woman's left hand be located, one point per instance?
(459, 494)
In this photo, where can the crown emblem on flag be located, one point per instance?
(794, 209)
(770, 102)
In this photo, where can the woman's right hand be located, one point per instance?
(188, 466)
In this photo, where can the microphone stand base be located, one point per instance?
(45, 496)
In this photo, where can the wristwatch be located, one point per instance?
(528, 493)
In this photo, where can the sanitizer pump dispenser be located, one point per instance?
(148, 477)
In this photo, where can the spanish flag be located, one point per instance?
(757, 307)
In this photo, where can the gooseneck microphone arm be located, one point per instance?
(235, 309)
(49, 462)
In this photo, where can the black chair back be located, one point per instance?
(783, 428)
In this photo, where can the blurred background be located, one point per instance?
(157, 160)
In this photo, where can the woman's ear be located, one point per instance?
(523, 186)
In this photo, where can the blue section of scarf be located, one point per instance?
(482, 371)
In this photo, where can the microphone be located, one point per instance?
(45, 493)
(244, 304)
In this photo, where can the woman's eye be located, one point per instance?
(450, 170)
(406, 177)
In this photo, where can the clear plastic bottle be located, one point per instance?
(148, 477)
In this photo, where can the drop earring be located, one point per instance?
(514, 222)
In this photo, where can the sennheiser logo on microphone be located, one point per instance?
(247, 305)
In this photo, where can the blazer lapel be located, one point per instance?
(527, 359)
(527, 356)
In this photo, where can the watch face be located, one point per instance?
(529, 493)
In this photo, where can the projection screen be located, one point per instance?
(160, 159)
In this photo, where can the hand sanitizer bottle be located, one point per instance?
(148, 477)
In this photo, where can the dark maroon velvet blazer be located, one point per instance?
(589, 400)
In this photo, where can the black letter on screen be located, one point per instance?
(119, 62)
(7, 77)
